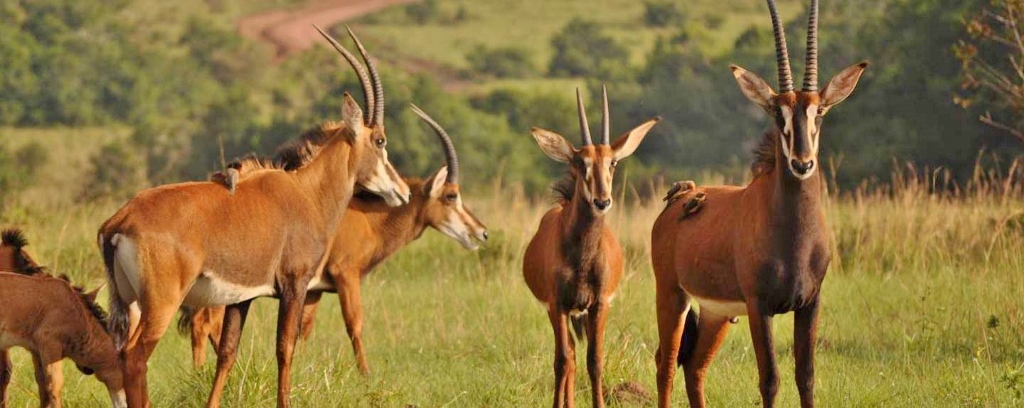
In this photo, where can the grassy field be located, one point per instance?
(923, 306)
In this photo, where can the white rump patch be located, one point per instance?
(127, 274)
(210, 290)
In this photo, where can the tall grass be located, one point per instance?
(923, 306)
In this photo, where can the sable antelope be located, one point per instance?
(54, 320)
(369, 233)
(13, 257)
(183, 243)
(758, 250)
(574, 262)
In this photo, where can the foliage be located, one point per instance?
(18, 168)
(504, 62)
(993, 64)
(117, 172)
(583, 49)
(662, 13)
(423, 12)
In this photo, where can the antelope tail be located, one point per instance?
(578, 327)
(120, 320)
(185, 315)
(689, 341)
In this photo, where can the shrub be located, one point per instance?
(661, 14)
(504, 62)
(118, 171)
(583, 49)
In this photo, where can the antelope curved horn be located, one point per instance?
(446, 141)
(368, 96)
(605, 118)
(584, 126)
(811, 74)
(378, 89)
(781, 52)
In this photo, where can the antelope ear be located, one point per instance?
(351, 115)
(841, 86)
(553, 145)
(626, 144)
(754, 88)
(433, 187)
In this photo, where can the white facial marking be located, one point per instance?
(587, 177)
(210, 290)
(787, 132)
(812, 128)
(456, 228)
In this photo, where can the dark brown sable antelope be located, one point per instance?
(199, 245)
(574, 262)
(13, 257)
(758, 250)
(369, 233)
(53, 321)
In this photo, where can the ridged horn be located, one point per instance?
(584, 126)
(605, 118)
(378, 89)
(450, 155)
(811, 66)
(368, 96)
(781, 52)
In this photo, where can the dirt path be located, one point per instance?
(290, 31)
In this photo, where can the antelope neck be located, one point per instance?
(582, 231)
(321, 180)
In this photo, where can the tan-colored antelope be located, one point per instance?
(758, 250)
(14, 257)
(369, 233)
(53, 321)
(200, 245)
(574, 261)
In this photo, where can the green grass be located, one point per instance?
(924, 306)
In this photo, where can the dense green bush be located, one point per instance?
(662, 13)
(117, 171)
(582, 49)
(502, 62)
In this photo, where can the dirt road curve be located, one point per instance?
(290, 31)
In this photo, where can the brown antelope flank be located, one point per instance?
(759, 250)
(53, 321)
(369, 233)
(14, 257)
(199, 244)
(574, 261)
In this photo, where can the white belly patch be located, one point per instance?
(210, 290)
(727, 308)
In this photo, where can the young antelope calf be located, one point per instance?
(574, 262)
(55, 320)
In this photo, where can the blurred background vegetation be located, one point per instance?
(177, 82)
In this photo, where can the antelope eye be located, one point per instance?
(451, 197)
(381, 142)
(615, 163)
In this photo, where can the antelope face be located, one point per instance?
(373, 171)
(379, 176)
(798, 115)
(592, 165)
(445, 212)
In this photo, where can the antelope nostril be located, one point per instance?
(802, 167)
(485, 235)
(602, 204)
